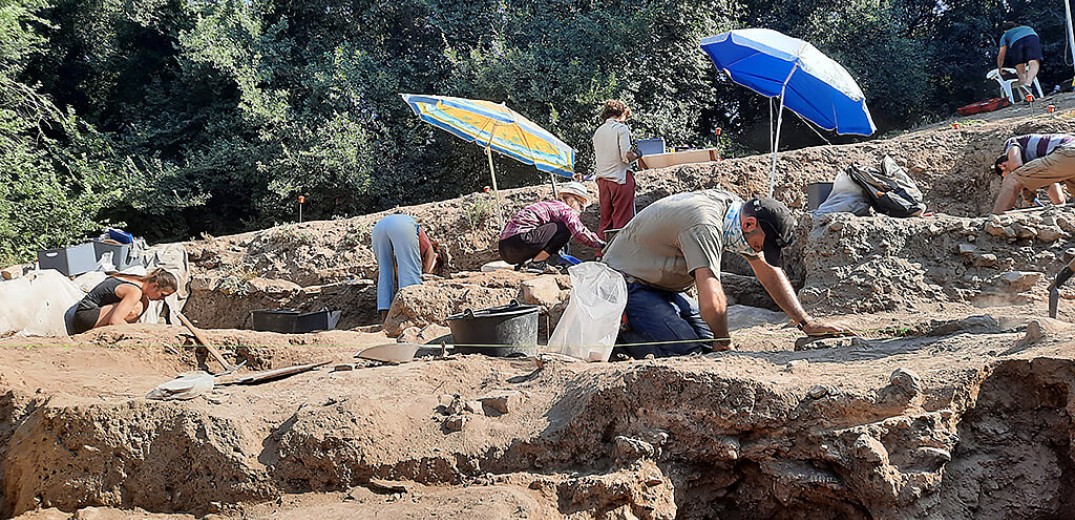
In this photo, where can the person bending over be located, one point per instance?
(1020, 48)
(534, 236)
(121, 299)
(1035, 161)
(403, 252)
(677, 242)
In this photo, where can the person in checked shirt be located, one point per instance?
(532, 239)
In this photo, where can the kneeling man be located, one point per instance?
(678, 241)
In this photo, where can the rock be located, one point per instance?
(455, 423)
(388, 486)
(1022, 231)
(409, 335)
(1050, 234)
(999, 231)
(1039, 329)
(432, 302)
(630, 449)
(966, 249)
(545, 291)
(501, 403)
(818, 392)
(423, 335)
(815, 343)
(455, 407)
(1069, 255)
(1020, 281)
(981, 324)
(906, 380)
(796, 365)
(726, 448)
(869, 449)
(89, 513)
(344, 367)
(985, 260)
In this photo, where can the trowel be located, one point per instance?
(391, 352)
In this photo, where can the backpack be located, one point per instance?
(890, 190)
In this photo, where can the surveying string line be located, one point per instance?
(890, 332)
(490, 345)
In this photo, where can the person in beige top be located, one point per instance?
(677, 242)
(613, 155)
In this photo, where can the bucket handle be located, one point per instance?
(469, 313)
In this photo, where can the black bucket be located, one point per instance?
(514, 326)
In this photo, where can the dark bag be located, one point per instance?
(890, 190)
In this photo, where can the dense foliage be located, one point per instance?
(176, 117)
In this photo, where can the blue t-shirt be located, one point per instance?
(1015, 34)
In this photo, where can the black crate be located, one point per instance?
(70, 261)
(289, 321)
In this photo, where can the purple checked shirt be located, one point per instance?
(541, 213)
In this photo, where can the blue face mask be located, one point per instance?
(734, 240)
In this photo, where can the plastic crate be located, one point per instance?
(289, 321)
(71, 261)
(120, 253)
(652, 146)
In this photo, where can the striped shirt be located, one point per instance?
(1036, 146)
(541, 213)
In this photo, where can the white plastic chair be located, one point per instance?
(1006, 84)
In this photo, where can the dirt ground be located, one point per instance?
(954, 401)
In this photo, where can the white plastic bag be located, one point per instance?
(846, 196)
(591, 322)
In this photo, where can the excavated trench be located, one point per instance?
(669, 441)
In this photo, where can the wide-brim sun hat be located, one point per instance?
(577, 189)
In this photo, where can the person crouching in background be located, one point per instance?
(532, 239)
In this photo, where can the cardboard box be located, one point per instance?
(71, 261)
(665, 160)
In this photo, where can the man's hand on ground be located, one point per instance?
(722, 345)
(820, 328)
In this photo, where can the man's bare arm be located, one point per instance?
(713, 306)
(777, 285)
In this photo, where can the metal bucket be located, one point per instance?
(509, 330)
(816, 193)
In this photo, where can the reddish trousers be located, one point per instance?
(617, 203)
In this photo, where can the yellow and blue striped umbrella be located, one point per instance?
(496, 127)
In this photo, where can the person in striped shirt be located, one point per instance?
(1035, 161)
(534, 236)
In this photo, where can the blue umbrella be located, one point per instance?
(806, 81)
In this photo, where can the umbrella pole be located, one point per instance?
(776, 139)
(776, 145)
(496, 191)
(552, 180)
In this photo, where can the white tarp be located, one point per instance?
(38, 303)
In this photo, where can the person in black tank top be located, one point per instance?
(121, 299)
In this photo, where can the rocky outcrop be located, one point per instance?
(882, 263)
